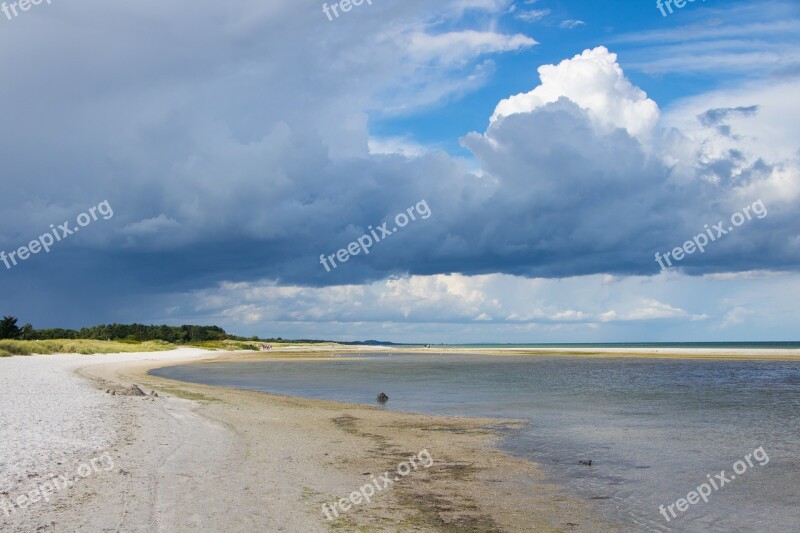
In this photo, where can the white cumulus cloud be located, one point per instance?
(594, 81)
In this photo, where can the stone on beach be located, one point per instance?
(134, 390)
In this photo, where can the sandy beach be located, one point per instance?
(79, 454)
(200, 458)
(722, 354)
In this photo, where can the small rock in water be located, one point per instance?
(382, 398)
(585, 462)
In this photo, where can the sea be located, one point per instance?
(654, 429)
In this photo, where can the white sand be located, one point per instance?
(53, 419)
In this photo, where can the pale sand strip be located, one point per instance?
(257, 462)
(723, 354)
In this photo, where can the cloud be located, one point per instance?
(458, 47)
(243, 314)
(654, 309)
(751, 39)
(734, 317)
(243, 151)
(577, 177)
(151, 226)
(443, 298)
(571, 24)
(406, 307)
(714, 117)
(490, 6)
(594, 81)
(741, 139)
(532, 15)
(396, 145)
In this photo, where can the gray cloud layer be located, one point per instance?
(231, 141)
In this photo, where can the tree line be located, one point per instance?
(141, 332)
(129, 332)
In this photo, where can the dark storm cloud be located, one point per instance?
(231, 143)
(558, 199)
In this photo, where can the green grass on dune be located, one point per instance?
(10, 347)
(81, 346)
(228, 345)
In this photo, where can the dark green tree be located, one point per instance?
(8, 328)
(26, 332)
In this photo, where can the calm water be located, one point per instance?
(770, 345)
(653, 428)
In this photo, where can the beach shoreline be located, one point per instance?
(310, 352)
(184, 459)
(198, 457)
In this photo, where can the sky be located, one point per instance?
(218, 160)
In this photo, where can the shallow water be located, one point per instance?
(653, 428)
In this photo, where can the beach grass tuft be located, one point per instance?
(228, 345)
(79, 346)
